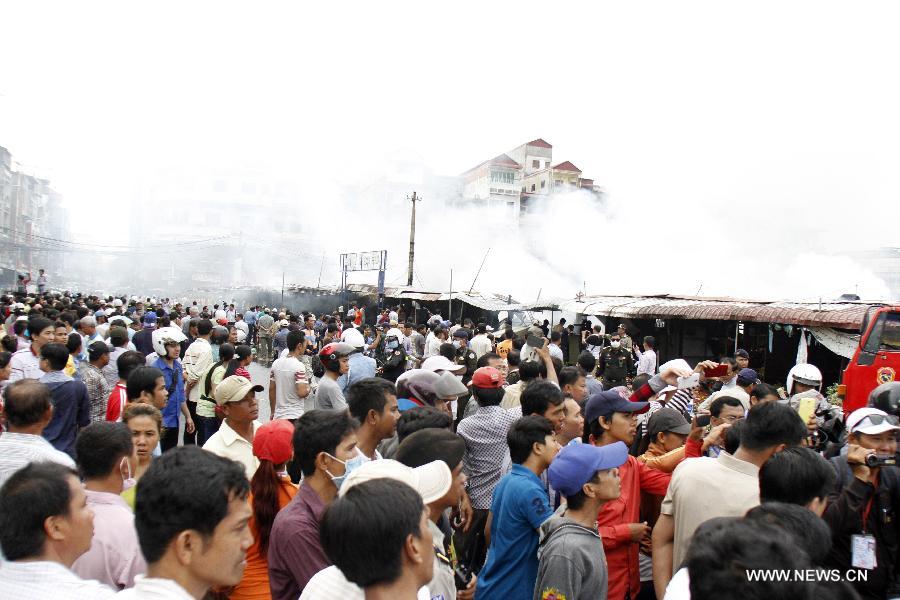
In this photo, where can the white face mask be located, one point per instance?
(127, 482)
(615, 344)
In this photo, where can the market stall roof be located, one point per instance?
(490, 302)
(844, 315)
(837, 314)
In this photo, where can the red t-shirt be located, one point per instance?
(115, 406)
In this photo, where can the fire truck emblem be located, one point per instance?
(885, 375)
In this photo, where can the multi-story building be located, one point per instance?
(523, 177)
(34, 224)
(494, 182)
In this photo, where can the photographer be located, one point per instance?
(861, 511)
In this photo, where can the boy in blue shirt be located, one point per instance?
(519, 506)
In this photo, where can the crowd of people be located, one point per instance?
(434, 460)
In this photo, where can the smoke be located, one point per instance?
(763, 242)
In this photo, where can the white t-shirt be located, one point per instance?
(220, 314)
(679, 587)
(286, 373)
(330, 583)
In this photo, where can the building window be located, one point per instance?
(536, 164)
(503, 177)
(558, 182)
(532, 187)
(543, 183)
(523, 189)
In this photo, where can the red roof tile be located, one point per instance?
(539, 143)
(504, 161)
(501, 160)
(566, 166)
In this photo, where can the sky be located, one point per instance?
(745, 148)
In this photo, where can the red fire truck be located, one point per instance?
(876, 359)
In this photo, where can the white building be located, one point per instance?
(523, 177)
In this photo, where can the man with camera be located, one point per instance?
(861, 511)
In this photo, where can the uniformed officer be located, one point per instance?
(393, 358)
(464, 355)
(615, 363)
(624, 338)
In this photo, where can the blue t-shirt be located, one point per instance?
(519, 506)
(172, 408)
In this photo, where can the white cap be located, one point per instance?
(678, 363)
(117, 302)
(859, 422)
(442, 363)
(432, 480)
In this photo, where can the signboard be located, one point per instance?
(375, 260)
(364, 261)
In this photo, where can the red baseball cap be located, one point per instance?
(273, 441)
(487, 377)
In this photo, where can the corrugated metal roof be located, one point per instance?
(841, 315)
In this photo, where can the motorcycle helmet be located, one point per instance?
(806, 374)
(886, 397)
(331, 355)
(166, 335)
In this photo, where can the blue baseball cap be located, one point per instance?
(150, 318)
(575, 465)
(608, 402)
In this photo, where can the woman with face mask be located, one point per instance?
(106, 460)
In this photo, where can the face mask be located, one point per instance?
(615, 344)
(456, 344)
(349, 466)
(127, 482)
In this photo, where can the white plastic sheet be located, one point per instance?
(842, 344)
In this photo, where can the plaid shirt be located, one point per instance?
(98, 390)
(486, 450)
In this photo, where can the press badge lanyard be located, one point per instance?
(862, 547)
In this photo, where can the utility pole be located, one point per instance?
(282, 289)
(412, 238)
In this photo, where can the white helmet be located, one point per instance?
(241, 336)
(353, 337)
(165, 335)
(806, 374)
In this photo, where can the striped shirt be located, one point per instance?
(46, 579)
(20, 449)
(682, 401)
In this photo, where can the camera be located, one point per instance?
(873, 460)
(462, 576)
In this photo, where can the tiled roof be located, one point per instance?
(566, 166)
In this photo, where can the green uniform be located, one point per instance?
(615, 364)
